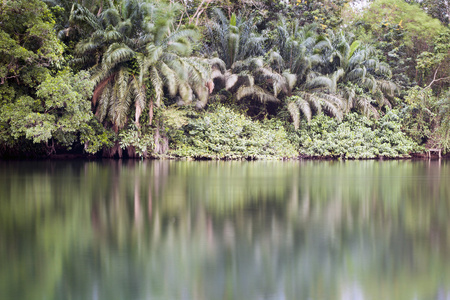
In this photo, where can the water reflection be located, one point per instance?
(225, 230)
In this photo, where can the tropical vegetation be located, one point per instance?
(224, 79)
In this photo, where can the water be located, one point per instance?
(225, 230)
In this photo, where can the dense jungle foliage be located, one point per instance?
(228, 79)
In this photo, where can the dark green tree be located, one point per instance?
(36, 105)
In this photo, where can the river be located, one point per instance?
(106, 230)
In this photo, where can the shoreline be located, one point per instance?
(69, 156)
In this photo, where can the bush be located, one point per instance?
(355, 137)
(225, 134)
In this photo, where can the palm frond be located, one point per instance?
(112, 35)
(230, 81)
(86, 46)
(387, 87)
(116, 53)
(217, 64)
(170, 78)
(315, 102)
(199, 70)
(371, 63)
(295, 114)
(220, 16)
(139, 98)
(357, 74)
(202, 95)
(304, 107)
(276, 61)
(182, 34)
(154, 54)
(110, 16)
(80, 14)
(104, 102)
(255, 92)
(319, 82)
(370, 83)
(157, 84)
(332, 105)
(186, 93)
(384, 70)
(365, 105)
(291, 80)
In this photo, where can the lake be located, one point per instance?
(106, 230)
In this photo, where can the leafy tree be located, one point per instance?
(444, 115)
(28, 45)
(418, 25)
(402, 31)
(60, 112)
(327, 12)
(36, 105)
(419, 115)
(434, 67)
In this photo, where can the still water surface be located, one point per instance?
(225, 230)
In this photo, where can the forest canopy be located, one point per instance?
(224, 79)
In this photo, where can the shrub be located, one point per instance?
(225, 134)
(355, 137)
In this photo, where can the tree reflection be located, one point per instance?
(225, 230)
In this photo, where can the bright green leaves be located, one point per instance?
(140, 139)
(224, 134)
(355, 45)
(60, 110)
(355, 137)
(417, 23)
(233, 20)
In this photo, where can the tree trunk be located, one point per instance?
(161, 142)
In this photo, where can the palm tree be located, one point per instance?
(233, 39)
(295, 47)
(314, 96)
(132, 48)
(297, 52)
(356, 66)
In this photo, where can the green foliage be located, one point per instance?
(434, 67)
(325, 12)
(444, 114)
(233, 39)
(139, 54)
(133, 47)
(94, 136)
(418, 25)
(225, 134)
(140, 139)
(438, 9)
(59, 112)
(355, 137)
(28, 44)
(418, 114)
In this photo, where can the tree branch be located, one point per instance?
(436, 80)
